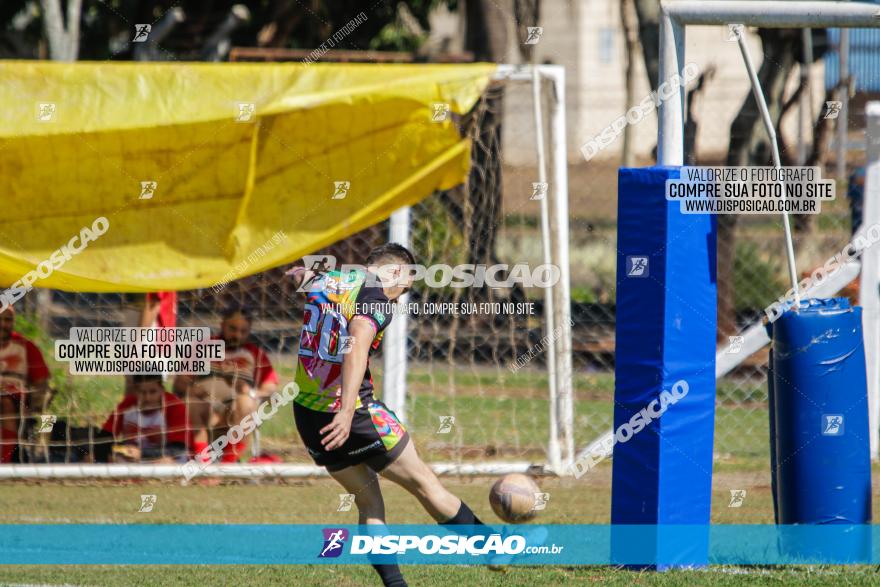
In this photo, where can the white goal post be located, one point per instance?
(555, 229)
(560, 445)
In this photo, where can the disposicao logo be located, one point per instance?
(334, 539)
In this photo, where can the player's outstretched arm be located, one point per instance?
(300, 275)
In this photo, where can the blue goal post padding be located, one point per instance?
(665, 334)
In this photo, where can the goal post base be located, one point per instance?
(665, 357)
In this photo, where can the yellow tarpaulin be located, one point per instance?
(206, 171)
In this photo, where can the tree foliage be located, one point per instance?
(107, 26)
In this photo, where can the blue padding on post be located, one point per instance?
(818, 385)
(666, 328)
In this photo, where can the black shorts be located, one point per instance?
(377, 437)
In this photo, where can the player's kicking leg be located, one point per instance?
(363, 483)
(379, 443)
(410, 472)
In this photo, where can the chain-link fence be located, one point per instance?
(752, 266)
(759, 278)
(477, 378)
(467, 399)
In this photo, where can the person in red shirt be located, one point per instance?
(234, 388)
(149, 424)
(24, 383)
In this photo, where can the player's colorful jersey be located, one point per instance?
(332, 301)
(149, 429)
(21, 365)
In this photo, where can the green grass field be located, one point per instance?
(507, 416)
(355, 576)
(499, 414)
(314, 501)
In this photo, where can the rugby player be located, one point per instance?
(343, 426)
(232, 390)
(24, 383)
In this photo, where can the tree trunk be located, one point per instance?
(63, 40)
(631, 40)
(691, 122)
(648, 12)
(486, 29)
(486, 38)
(748, 146)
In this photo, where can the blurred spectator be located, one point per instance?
(149, 424)
(234, 389)
(855, 193)
(24, 384)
